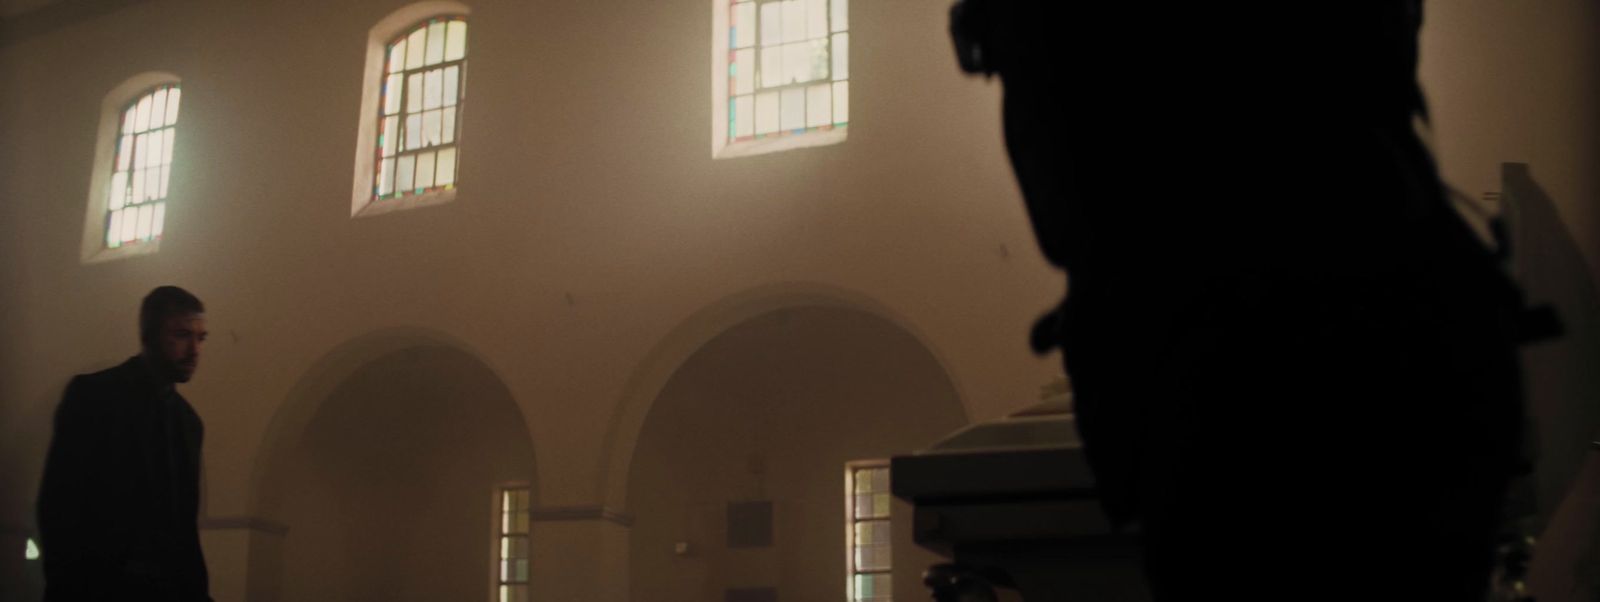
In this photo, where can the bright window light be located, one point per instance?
(419, 112)
(785, 73)
(141, 171)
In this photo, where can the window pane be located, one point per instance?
(157, 141)
(519, 571)
(816, 18)
(391, 94)
(114, 230)
(744, 24)
(772, 67)
(449, 125)
(794, 20)
(141, 150)
(414, 93)
(158, 108)
(166, 178)
(451, 78)
(146, 213)
(433, 89)
(158, 222)
(166, 159)
(519, 522)
(415, 46)
(387, 135)
(431, 134)
(744, 110)
(841, 103)
(124, 152)
(818, 55)
(130, 224)
(435, 42)
(880, 481)
(141, 121)
(794, 109)
(745, 64)
(172, 105)
(840, 10)
(456, 41)
(841, 56)
(766, 112)
(119, 190)
(397, 57)
(404, 172)
(447, 167)
(138, 187)
(129, 117)
(796, 67)
(413, 133)
(819, 105)
(386, 177)
(772, 24)
(424, 177)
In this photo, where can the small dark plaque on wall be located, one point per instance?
(751, 594)
(749, 525)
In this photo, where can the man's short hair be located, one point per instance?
(161, 303)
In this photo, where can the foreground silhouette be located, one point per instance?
(1294, 365)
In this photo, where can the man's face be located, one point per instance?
(177, 345)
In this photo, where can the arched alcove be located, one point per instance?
(387, 482)
(770, 410)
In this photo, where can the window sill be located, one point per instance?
(405, 203)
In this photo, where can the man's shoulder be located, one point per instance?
(85, 389)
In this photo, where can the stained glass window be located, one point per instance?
(419, 111)
(788, 67)
(867, 498)
(141, 168)
(513, 568)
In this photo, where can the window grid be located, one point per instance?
(512, 576)
(142, 168)
(419, 109)
(867, 503)
(788, 67)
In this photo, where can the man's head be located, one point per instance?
(172, 328)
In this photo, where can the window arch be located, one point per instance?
(133, 168)
(407, 152)
(780, 75)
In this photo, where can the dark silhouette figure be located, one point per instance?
(1293, 363)
(121, 487)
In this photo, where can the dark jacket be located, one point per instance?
(121, 491)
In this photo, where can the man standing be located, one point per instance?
(121, 487)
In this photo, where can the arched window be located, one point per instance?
(780, 75)
(408, 149)
(133, 168)
(142, 170)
